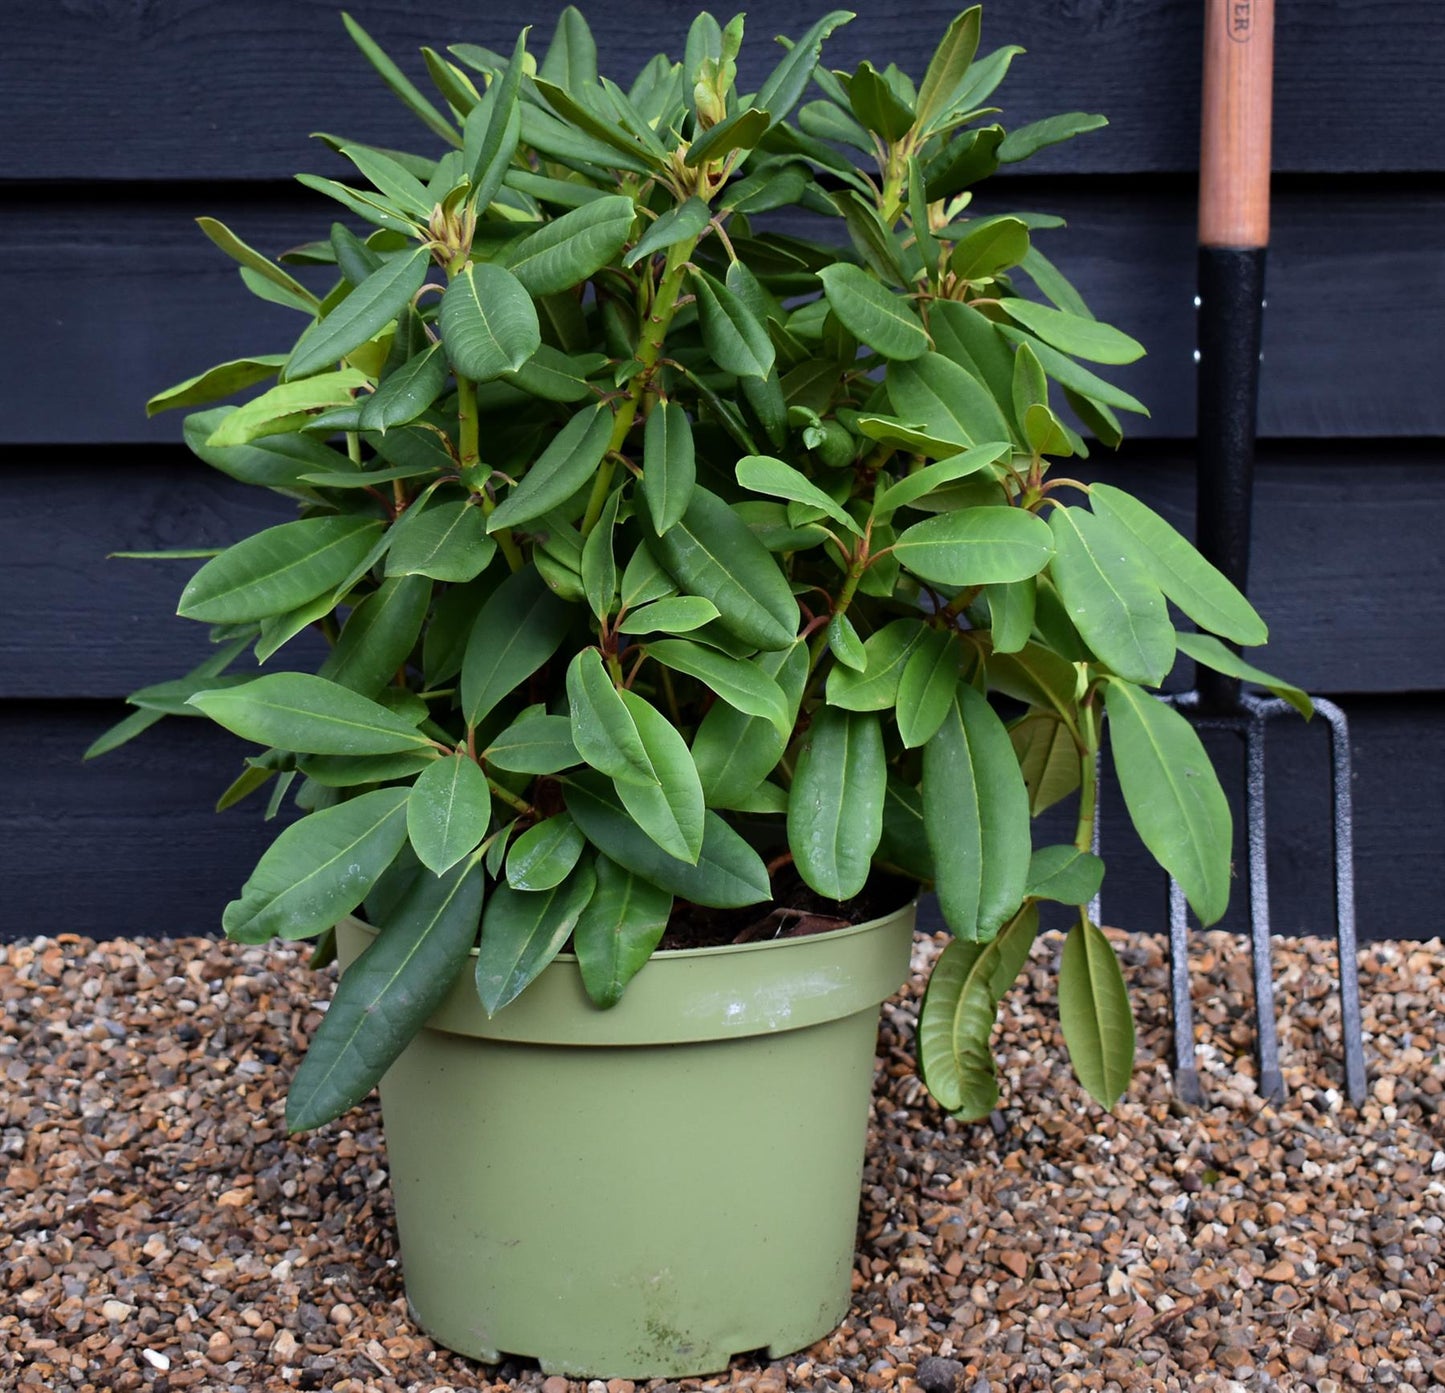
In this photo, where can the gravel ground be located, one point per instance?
(160, 1232)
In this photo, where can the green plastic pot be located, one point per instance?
(650, 1190)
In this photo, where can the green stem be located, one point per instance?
(664, 306)
(470, 451)
(1088, 775)
(819, 642)
(505, 795)
(353, 447)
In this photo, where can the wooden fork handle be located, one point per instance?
(1234, 155)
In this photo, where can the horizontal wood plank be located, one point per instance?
(127, 845)
(1340, 540)
(146, 301)
(207, 89)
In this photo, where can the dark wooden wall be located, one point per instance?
(123, 121)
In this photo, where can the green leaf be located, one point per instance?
(948, 69)
(614, 132)
(285, 407)
(571, 60)
(522, 624)
(617, 932)
(1048, 759)
(926, 687)
(379, 635)
(958, 1012)
(350, 771)
(740, 131)
(488, 322)
(884, 321)
(1206, 649)
(544, 855)
(296, 711)
(735, 752)
(603, 728)
(993, 247)
(487, 151)
(976, 546)
(599, 566)
(844, 643)
(916, 485)
(669, 810)
(835, 806)
(680, 614)
(1037, 135)
(783, 87)
(319, 869)
(728, 872)
(962, 162)
(875, 243)
(1084, 338)
(975, 344)
(712, 553)
(252, 260)
(393, 180)
(534, 745)
(399, 84)
(361, 316)
(408, 392)
(566, 251)
(679, 224)
(1055, 286)
(386, 996)
(1065, 874)
(223, 380)
(1094, 1013)
(874, 687)
(1113, 602)
(734, 338)
(522, 931)
(669, 470)
(1011, 614)
(446, 541)
(448, 812)
(277, 570)
(764, 474)
(560, 471)
(273, 461)
(1172, 794)
(877, 106)
(935, 392)
(553, 376)
(741, 683)
(1069, 374)
(1201, 591)
(976, 812)
(125, 729)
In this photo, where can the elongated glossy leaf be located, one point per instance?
(958, 1012)
(680, 614)
(1206, 649)
(997, 245)
(1048, 759)
(1197, 587)
(534, 744)
(603, 729)
(964, 161)
(392, 179)
(735, 752)
(1084, 338)
(974, 343)
(738, 343)
(670, 809)
(783, 87)
(740, 131)
(296, 711)
(678, 224)
(571, 60)
(712, 553)
(544, 855)
(1011, 614)
(487, 150)
(602, 121)
(285, 407)
(946, 399)
(1028, 140)
(277, 570)
(919, 484)
(1069, 374)
(522, 931)
(219, 381)
(885, 654)
(379, 635)
(553, 376)
(252, 260)
(522, 624)
(926, 687)
(564, 252)
(1111, 599)
(446, 541)
(560, 471)
(764, 474)
(728, 872)
(977, 816)
(1065, 874)
(386, 996)
(948, 68)
(319, 869)
(877, 106)
(1094, 1013)
(448, 812)
(835, 806)
(383, 295)
(881, 319)
(617, 932)
(976, 546)
(488, 322)
(669, 470)
(1172, 794)
(408, 392)
(351, 771)
(394, 78)
(738, 681)
(272, 461)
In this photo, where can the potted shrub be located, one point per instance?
(676, 481)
